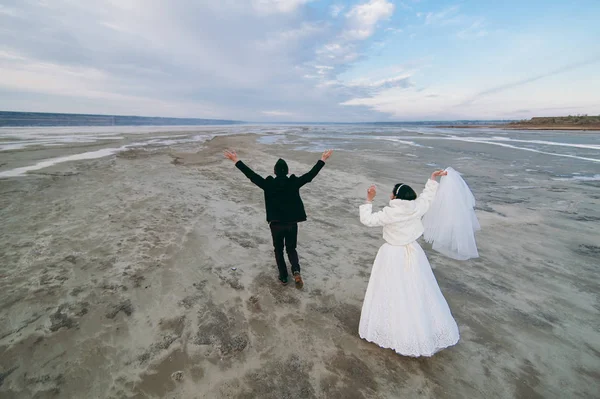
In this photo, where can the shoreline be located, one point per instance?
(521, 127)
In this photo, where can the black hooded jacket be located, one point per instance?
(282, 193)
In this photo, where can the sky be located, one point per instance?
(302, 60)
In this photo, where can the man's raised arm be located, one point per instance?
(308, 177)
(250, 174)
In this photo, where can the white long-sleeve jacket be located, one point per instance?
(401, 220)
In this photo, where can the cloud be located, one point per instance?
(254, 60)
(336, 9)
(277, 113)
(277, 6)
(515, 100)
(403, 81)
(471, 27)
(362, 19)
(360, 24)
(531, 79)
(476, 29)
(8, 11)
(283, 39)
(88, 84)
(219, 59)
(228, 59)
(443, 17)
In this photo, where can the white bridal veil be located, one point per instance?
(450, 223)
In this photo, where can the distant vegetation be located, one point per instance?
(571, 120)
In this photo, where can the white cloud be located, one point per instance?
(229, 59)
(470, 27)
(324, 69)
(87, 84)
(394, 30)
(286, 38)
(121, 57)
(8, 11)
(476, 29)
(402, 103)
(277, 113)
(7, 55)
(338, 52)
(525, 98)
(444, 17)
(336, 9)
(394, 81)
(360, 24)
(362, 19)
(277, 6)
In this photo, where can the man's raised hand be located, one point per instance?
(326, 155)
(231, 155)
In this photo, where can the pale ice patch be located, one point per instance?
(273, 139)
(53, 161)
(171, 141)
(54, 141)
(579, 178)
(411, 143)
(487, 141)
(100, 154)
(543, 142)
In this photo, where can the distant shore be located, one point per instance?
(578, 122)
(513, 126)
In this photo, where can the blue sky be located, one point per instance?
(302, 60)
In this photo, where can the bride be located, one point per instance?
(404, 309)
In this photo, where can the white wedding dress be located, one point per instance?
(404, 309)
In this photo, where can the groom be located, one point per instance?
(284, 208)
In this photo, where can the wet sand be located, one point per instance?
(151, 274)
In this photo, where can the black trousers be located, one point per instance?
(285, 235)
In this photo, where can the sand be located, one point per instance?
(150, 274)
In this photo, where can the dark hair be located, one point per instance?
(405, 193)
(281, 168)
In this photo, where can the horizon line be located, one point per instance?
(257, 122)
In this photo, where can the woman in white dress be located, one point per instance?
(404, 309)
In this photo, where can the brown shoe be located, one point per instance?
(298, 280)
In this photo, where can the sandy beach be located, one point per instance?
(149, 273)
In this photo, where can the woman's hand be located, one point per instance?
(371, 193)
(437, 173)
(326, 155)
(231, 155)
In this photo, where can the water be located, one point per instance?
(562, 155)
(26, 119)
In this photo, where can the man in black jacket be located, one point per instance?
(284, 208)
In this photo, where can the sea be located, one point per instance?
(563, 155)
